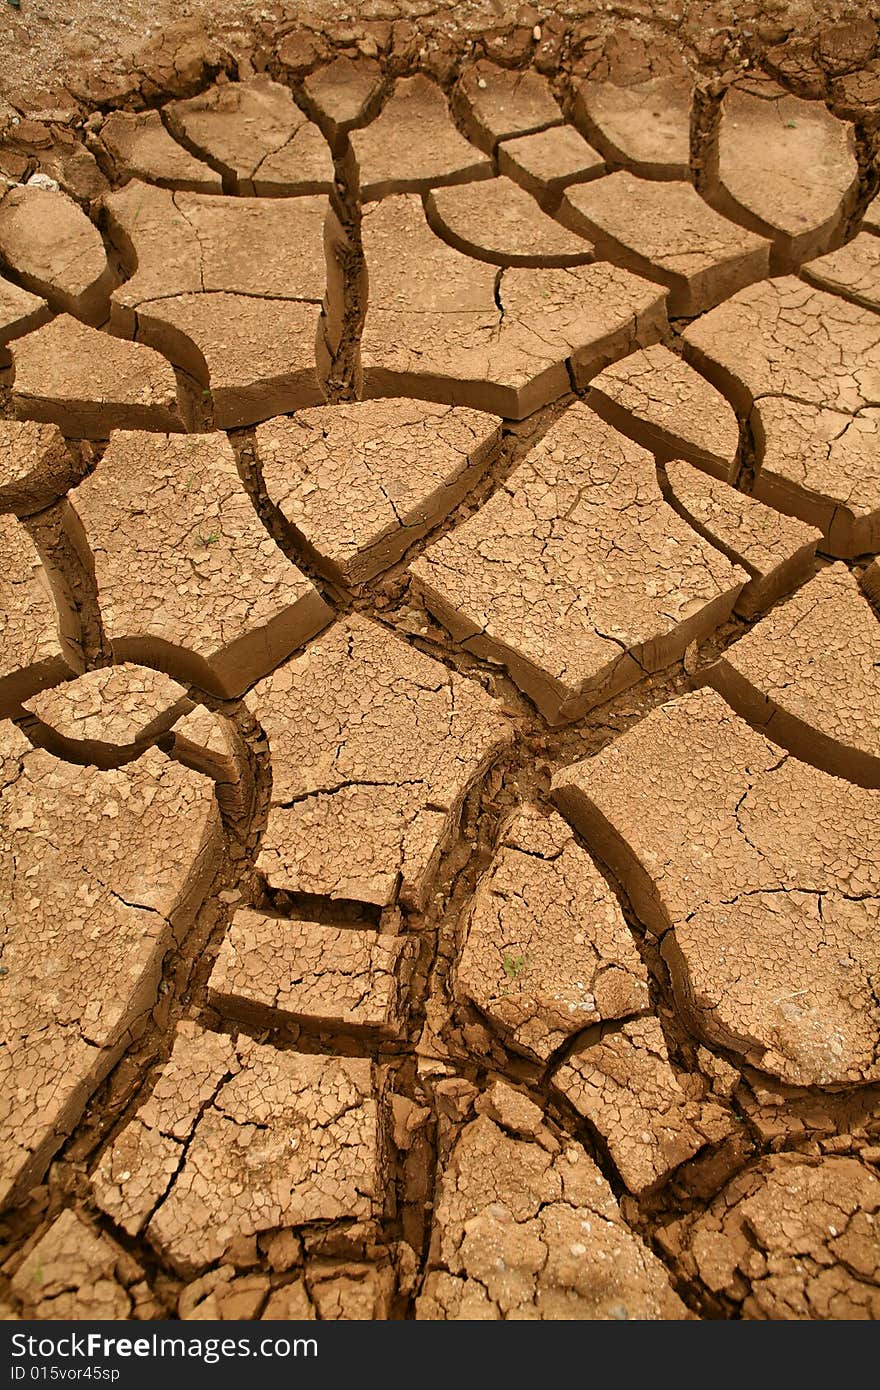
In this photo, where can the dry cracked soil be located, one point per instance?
(440, 666)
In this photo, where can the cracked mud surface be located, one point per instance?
(440, 671)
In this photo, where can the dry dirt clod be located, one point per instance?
(787, 168)
(444, 327)
(805, 365)
(790, 1239)
(253, 358)
(645, 127)
(56, 251)
(344, 94)
(853, 271)
(657, 399)
(188, 580)
(354, 1293)
(777, 551)
(373, 748)
(36, 467)
(20, 313)
(75, 1272)
(275, 972)
(357, 484)
(414, 145)
(666, 231)
(762, 850)
(122, 859)
(138, 146)
(106, 717)
(30, 650)
(89, 383)
(545, 162)
(576, 574)
(188, 242)
(499, 222)
(227, 288)
(238, 1139)
(808, 675)
(495, 103)
(523, 1232)
(546, 950)
(624, 1084)
(254, 132)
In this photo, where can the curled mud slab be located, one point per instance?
(357, 484)
(762, 850)
(809, 676)
(576, 574)
(804, 366)
(439, 670)
(373, 748)
(645, 127)
(547, 161)
(785, 166)
(55, 251)
(547, 951)
(668, 233)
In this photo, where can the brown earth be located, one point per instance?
(439, 510)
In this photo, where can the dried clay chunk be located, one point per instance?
(109, 716)
(546, 162)
(852, 271)
(624, 1084)
(789, 1238)
(78, 1273)
(414, 145)
(806, 364)
(239, 1138)
(90, 383)
(442, 326)
(30, 651)
(189, 243)
(373, 747)
(359, 483)
(56, 251)
(546, 949)
(495, 103)
(228, 289)
(786, 167)
(103, 871)
(500, 223)
(138, 146)
(645, 126)
(777, 551)
(524, 1229)
(188, 578)
(20, 313)
(656, 398)
(576, 574)
(344, 94)
(256, 134)
(36, 467)
(274, 972)
(760, 873)
(667, 232)
(808, 675)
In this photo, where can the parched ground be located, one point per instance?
(440, 665)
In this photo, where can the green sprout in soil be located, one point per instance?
(513, 965)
